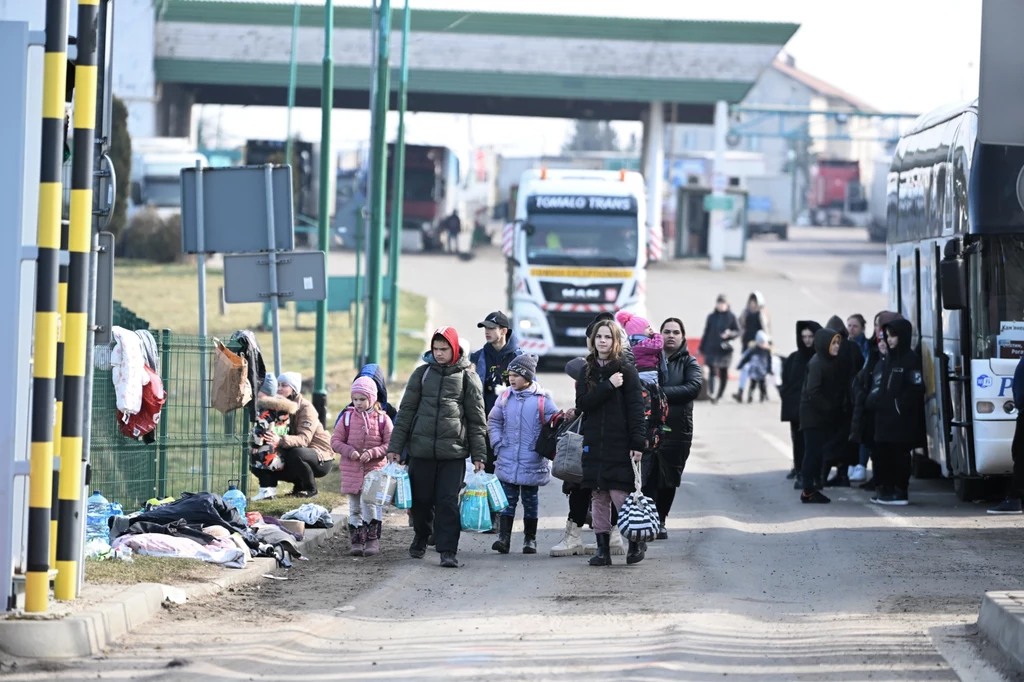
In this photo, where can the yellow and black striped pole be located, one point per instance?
(58, 386)
(44, 352)
(69, 544)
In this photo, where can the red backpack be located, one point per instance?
(145, 421)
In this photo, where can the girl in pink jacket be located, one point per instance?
(361, 437)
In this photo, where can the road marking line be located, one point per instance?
(783, 449)
(809, 294)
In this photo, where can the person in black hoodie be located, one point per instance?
(898, 402)
(794, 369)
(820, 410)
(614, 432)
(681, 380)
(849, 361)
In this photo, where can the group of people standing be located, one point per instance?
(851, 399)
(487, 407)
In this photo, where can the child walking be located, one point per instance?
(514, 425)
(755, 366)
(361, 437)
(646, 344)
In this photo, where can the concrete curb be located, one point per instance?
(1002, 621)
(89, 632)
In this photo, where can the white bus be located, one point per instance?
(955, 235)
(578, 247)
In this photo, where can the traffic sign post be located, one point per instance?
(301, 276)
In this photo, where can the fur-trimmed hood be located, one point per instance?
(277, 403)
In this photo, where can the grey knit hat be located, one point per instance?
(524, 365)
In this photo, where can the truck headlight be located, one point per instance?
(525, 324)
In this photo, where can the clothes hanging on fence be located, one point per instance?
(150, 351)
(127, 364)
(250, 350)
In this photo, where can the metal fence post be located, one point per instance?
(165, 370)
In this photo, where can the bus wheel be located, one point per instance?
(923, 467)
(969, 489)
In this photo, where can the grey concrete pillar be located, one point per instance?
(654, 169)
(716, 236)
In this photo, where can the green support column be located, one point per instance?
(326, 168)
(293, 72)
(375, 252)
(398, 183)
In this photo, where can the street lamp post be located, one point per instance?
(326, 168)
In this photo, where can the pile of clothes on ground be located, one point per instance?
(203, 526)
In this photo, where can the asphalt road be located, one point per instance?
(750, 585)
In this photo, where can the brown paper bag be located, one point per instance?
(231, 388)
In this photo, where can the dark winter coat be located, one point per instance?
(899, 412)
(821, 399)
(868, 379)
(717, 351)
(613, 424)
(441, 415)
(492, 368)
(794, 369)
(257, 370)
(681, 381)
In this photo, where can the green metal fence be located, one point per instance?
(130, 471)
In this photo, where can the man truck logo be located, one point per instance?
(570, 293)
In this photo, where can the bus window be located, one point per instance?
(996, 271)
(897, 277)
(918, 320)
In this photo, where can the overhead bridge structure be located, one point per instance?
(604, 68)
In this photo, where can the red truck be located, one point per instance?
(835, 195)
(431, 193)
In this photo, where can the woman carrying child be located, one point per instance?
(361, 437)
(514, 425)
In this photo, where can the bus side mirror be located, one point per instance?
(953, 283)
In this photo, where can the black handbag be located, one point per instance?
(547, 441)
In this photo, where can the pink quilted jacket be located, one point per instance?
(357, 431)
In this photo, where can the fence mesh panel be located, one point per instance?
(130, 471)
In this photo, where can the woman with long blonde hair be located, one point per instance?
(610, 398)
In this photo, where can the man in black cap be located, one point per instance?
(491, 362)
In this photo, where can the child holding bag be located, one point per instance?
(361, 437)
(514, 425)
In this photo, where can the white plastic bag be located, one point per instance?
(378, 488)
(403, 486)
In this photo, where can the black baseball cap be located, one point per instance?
(494, 320)
(600, 317)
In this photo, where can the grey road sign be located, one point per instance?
(301, 276)
(104, 318)
(235, 211)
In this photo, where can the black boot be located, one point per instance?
(603, 557)
(529, 536)
(504, 540)
(635, 553)
(494, 524)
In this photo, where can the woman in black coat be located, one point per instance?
(794, 369)
(614, 432)
(821, 406)
(681, 380)
(716, 346)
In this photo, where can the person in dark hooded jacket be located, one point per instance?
(820, 410)
(720, 329)
(848, 363)
(898, 402)
(794, 370)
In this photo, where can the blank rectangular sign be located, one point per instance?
(1001, 85)
(235, 218)
(301, 276)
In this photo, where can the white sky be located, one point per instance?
(898, 55)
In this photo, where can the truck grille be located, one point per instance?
(569, 329)
(563, 292)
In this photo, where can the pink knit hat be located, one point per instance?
(633, 324)
(365, 386)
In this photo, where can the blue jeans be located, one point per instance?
(531, 500)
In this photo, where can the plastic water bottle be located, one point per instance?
(235, 498)
(97, 513)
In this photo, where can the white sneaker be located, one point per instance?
(264, 494)
(615, 544)
(571, 544)
(858, 474)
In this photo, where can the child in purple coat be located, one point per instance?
(514, 424)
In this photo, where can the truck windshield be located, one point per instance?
(162, 192)
(997, 298)
(582, 239)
